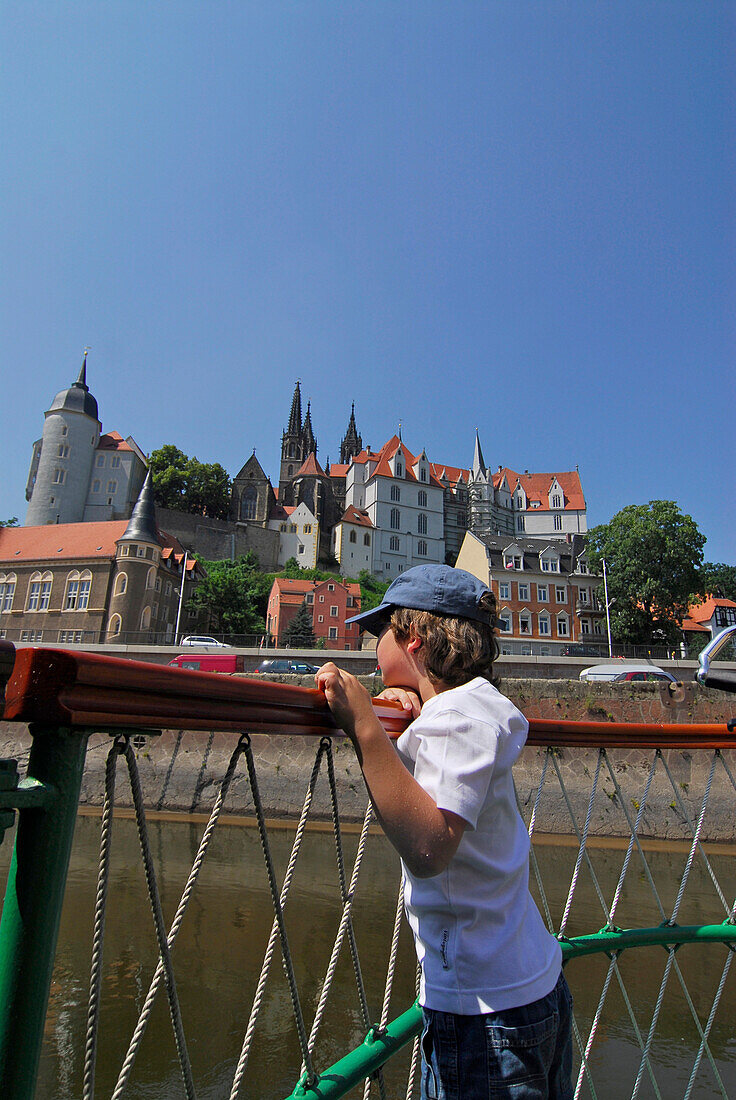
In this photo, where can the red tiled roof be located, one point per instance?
(70, 540)
(387, 452)
(310, 467)
(337, 469)
(537, 486)
(113, 441)
(704, 612)
(357, 516)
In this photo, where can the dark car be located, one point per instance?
(287, 664)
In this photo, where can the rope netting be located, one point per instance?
(590, 915)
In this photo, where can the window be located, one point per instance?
(399, 470)
(121, 583)
(72, 591)
(333, 611)
(562, 626)
(145, 618)
(422, 499)
(422, 548)
(542, 593)
(366, 540)
(63, 451)
(70, 636)
(321, 599)
(320, 618)
(115, 461)
(395, 522)
(546, 565)
(65, 430)
(421, 524)
(292, 528)
(525, 622)
(310, 597)
(151, 578)
(520, 523)
(523, 591)
(544, 624)
(307, 528)
(141, 551)
(560, 593)
(31, 635)
(100, 460)
(39, 592)
(59, 476)
(504, 621)
(96, 485)
(158, 584)
(582, 565)
(583, 595)
(422, 473)
(558, 523)
(168, 588)
(584, 626)
(504, 590)
(333, 633)
(330, 588)
(353, 537)
(249, 503)
(282, 528)
(112, 486)
(7, 591)
(395, 492)
(556, 500)
(393, 543)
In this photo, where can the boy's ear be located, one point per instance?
(414, 643)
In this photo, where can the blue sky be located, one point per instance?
(506, 216)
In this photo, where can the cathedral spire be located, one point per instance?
(295, 416)
(352, 443)
(310, 443)
(479, 466)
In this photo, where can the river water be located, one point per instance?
(219, 951)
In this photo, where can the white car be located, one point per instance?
(203, 640)
(626, 672)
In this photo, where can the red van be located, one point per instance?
(210, 662)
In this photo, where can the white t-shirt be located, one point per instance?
(480, 939)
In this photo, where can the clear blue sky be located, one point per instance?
(511, 216)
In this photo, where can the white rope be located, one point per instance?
(704, 1047)
(582, 851)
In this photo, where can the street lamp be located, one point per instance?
(608, 607)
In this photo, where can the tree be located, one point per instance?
(12, 522)
(300, 632)
(653, 555)
(188, 485)
(717, 579)
(372, 590)
(231, 598)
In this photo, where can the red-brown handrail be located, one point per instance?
(82, 690)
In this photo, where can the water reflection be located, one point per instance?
(219, 951)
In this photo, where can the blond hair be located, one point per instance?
(454, 650)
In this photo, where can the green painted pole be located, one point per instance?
(32, 906)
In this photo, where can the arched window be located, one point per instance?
(7, 590)
(39, 592)
(366, 540)
(393, 543)
(121, 583)
(113, 628)
(353, 536)
(422, 498)
(395, 492)
(85, 583)
(249, 503)
(72, 590)
(562, 631)
(421, 524)
(422, 548)
(145, 618)
(151, 578)
(395, 519)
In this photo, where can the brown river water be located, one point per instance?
(219, 951)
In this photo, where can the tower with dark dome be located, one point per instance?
(62, 458)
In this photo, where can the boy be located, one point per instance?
(496, 1007)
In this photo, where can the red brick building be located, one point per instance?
(331, 603)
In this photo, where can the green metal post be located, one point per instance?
(32, 906)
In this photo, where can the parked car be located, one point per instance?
(287, 664)
(626, 672)
(210, 662)
(202, 641)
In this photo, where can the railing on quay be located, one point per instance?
(64, 697)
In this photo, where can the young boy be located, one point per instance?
(496, 1007)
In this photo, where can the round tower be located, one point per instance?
(132, 615)
(62, 460)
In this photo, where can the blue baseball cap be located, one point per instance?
(436, 588)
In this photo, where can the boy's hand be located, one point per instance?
(347, 698)
(409, 700)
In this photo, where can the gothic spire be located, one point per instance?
(295, 416)
(310, 443)
(352, 443)
(479, 466)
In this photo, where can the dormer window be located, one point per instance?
(556, 500)
(399, 470)
(422, 473)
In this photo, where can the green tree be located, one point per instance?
(189, 485)
(653, 553)
(231, 598)
(717, 579)
(12, 522)
(372, 590)
(300, 632)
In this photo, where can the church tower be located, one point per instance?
(61, 466)
(352, 443)
(292, 443)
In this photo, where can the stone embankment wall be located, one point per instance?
(181, 771)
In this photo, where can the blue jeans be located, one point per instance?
(520, 1054)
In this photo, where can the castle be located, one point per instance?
(382, 510)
